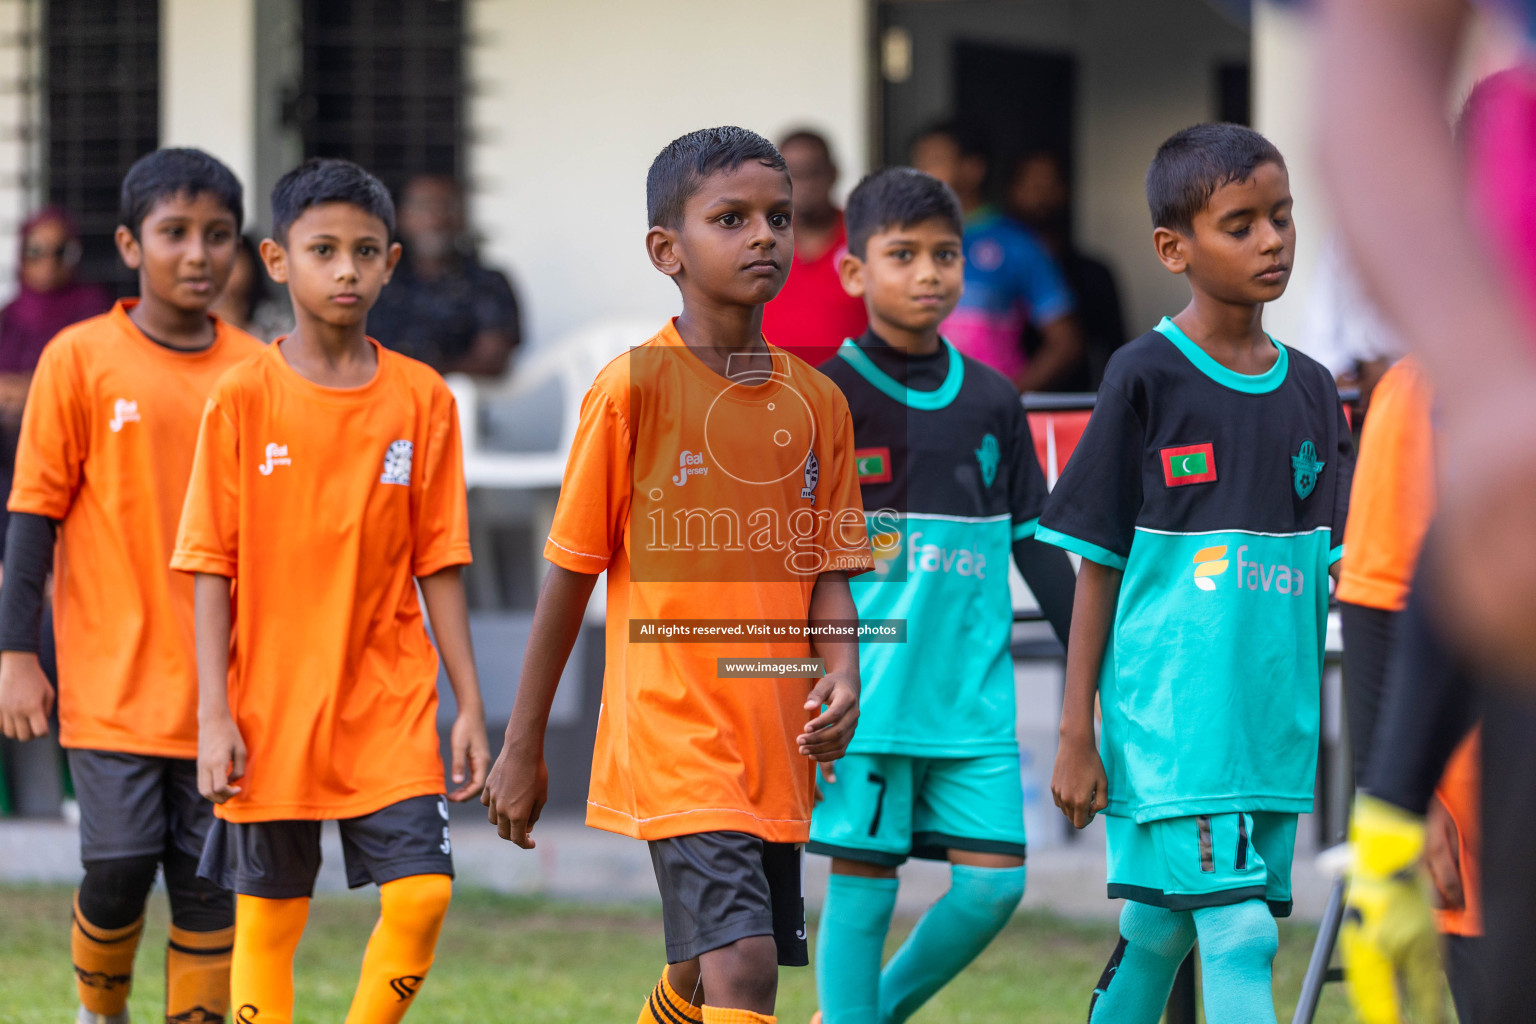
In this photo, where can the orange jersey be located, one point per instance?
(322, 504)
(106, 448)
(1460, 791)
(1393, 497)
(706, 499)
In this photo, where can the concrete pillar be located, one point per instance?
(208, 81)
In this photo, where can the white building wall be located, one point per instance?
(18, 116)
(571, 101)
(208, 91)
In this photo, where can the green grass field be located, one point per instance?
(504, 958)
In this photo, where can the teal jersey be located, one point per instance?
(949, 479)
(1222, 497)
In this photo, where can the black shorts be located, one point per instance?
(278, 860)
(719, 887)
(137, 805)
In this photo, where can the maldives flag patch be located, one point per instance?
(873, 465)
(1189, 464)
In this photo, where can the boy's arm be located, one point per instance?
(443, 592)
(1078, 783)
(827, 736)
(518, 783)
(26, 697)
(1048, 572)
(220, 750)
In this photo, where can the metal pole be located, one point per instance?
(1322, 955)
(1181, 1001)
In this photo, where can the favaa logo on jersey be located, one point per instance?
(1209, 562)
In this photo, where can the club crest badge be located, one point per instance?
(988, 456)
(812, 477)
(1305, 467)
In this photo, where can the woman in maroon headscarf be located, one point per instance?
(49, 301)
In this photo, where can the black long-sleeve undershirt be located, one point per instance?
(28, 561)
(1049, 574)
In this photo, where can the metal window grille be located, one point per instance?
(103, 113)
(382, 84)
(20, 113)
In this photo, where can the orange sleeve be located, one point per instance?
(595, 493)
(845, 536)
(442, 513)
(208, 539)
(55, 436)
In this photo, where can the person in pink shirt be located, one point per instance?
(812, 315)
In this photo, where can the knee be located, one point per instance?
(994, 892)
(418, 900)
(1166, 934)
(113, 892)
(197, 905)
(1243, 933)
(744, 973)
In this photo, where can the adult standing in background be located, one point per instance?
(50, 299)
(812, 315)
(443, 306)
(1040, 198)
(1010, 280)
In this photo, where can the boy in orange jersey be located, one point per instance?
(328, 482)
(106, 449)
(712, 477)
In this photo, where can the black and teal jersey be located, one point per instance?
(950, 480)
(1222, 496)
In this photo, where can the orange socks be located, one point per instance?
(197, 974)
(411, 912)
(666, 1006)
(103, 960)
(261, 971)
(715, 1015)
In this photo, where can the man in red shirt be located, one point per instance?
(812, 315)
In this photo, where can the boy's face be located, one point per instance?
(735, 240)
(1241, 245)
(184, 251)
(910, 277)
(337, 258)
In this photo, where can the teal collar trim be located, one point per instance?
(1249, 383)
(927, 401)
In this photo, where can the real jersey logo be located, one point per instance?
(689, 464)
(1209, 562)
(873, 465)
(1305, 467)
(988, 456)
(1189, 464)
(277, 455)
(397, 463)
(123, 412)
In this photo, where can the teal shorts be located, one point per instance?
(1209, 860)
(884, 808)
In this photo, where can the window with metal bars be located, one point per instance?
(102, 60)
(383, 84)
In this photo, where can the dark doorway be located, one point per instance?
(1021, 99)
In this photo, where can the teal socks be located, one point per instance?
(955, 929)
(849, 945)
(1237, 951)
(1136, 982)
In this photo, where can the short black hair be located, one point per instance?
(1194, 163)
(678, 170)
(969, 138)
(168, 173)
(328, 180)
(898, 197)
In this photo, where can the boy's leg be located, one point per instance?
(1137, 981)
(271, 868)
(970, 810)
(122, 838)
(731, 903)
(864, 823)
(405, 849)
(201, 944)
(1237, 948)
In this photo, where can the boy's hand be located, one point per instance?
(1442, 855)
(827, 736)
(471, 753)
(26, 697)
(516, 792)
(220, 758)
(1078, 783)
